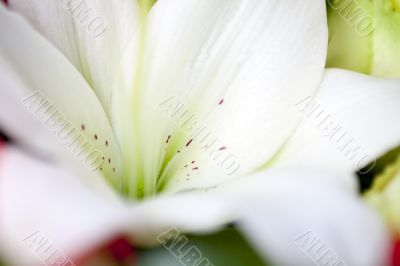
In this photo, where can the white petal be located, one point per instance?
(188, 212)
(258, 56)
(40, 201)
(282, 210)
(350, 108)
(92, 34)
(40, 84)
(75, 214)
(275, 206)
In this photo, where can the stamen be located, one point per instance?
(190, 141)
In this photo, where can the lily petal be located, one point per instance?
(41, 202)
(75, 214)
(92, 34)
(39, 78)
(352, 121)
(301, 217)
(263, 204)
(236, 67)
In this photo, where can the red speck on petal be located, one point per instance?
(222, 148)
(195, 168)
(193, 161)
(221, 101)
(396, 253)
(5, 2)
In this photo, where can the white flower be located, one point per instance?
(241, 68)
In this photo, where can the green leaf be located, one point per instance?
(227, 247)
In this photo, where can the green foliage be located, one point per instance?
(224, 248)
(364, 36)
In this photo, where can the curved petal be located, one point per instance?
(278, 206)
(42, 203)
(232, 68)
(92, 34)
(42, 206)
(292, 217)
(352, 121)
(38, 83)
(181, 213)
(305, 217)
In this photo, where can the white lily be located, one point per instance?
(239, 66)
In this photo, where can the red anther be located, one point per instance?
(190, 141)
